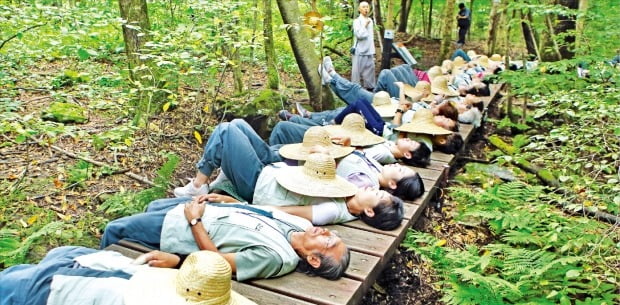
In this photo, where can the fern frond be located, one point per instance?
(16, 253)
(495, 285)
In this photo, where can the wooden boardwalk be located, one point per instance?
(371, 249)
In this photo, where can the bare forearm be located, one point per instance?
(202, 238)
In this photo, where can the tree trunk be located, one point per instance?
(565, 24)
(376, 8)
(528, 34)
(273, 78)
(430, 19)
(448, 26)
(493, 26)
(405, 8)
(135, 31)
(580, 26)
(307, 58)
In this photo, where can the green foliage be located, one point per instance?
(539, 257)
(13, 251)
(128, 203)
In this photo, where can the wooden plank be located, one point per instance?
(316, 290)
(262, 296)
(361, 265)
(376, 244)
(442, 157)
(410, 208)
(124, 251)
(427, 173)
(437, 165)
(358, 224)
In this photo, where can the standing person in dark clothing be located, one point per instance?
(463, 19)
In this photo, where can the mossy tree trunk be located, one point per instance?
(305, 54)
(273, 79)
(448, 27)
(493, 27)
(580, 26)
(528, 33)
(135, 31)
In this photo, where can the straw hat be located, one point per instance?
(483, 61)
(496, 57)
(354, 127)
(203, 279)
(458, 62)
(446, 66)
(423, 123)
(440, 86)
(472, 54)
(315, 135)
(382, 103)
(316, 178)
(420, 88)
(433, 72)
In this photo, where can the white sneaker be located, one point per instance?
(189, 190)
(325, 77)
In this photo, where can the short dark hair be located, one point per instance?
(420, 157)
(461, 5)
(329, 268)
(453, 144)
(409, 188)
(448, 110)
(388, 214)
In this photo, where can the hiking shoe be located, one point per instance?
(328, 65)
(189, 190)
(302, 111)
(285, 115)
(325, 77)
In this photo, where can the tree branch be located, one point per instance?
(17, 34)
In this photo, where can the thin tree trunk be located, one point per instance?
(448, 26)
(580, 26)
(135, 30)
(493, 27)
(305, 54)
(565, 24)
(430, 19)
(556, 48)
(528, 35)
(378, 20)
(471, 19)
(405, 8)
(273, 78)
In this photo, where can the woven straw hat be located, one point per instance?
(433, 72)
(458, 62)
(314, 136)
(203, 279)
(483, 61)
(423, 123)
(440, 86)
(354, 127)
(316, 178)
(472, 54)
(446, 66)
(382, 102)
(421, 87)
(496, 57)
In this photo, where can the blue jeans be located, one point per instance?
(30, 284)
(287, 132)
(403, 73)
(460, 52)
(373, 120)
(240, 152)
(144, 228)
(349, 91)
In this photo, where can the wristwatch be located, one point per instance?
(194, 221)
(400, 111)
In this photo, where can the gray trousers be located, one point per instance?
(363, 71)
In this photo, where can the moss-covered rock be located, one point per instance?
(65, 113)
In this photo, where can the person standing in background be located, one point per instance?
(363, 70)
(463, 19)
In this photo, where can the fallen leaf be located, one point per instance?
(378, 288)
(32, 219)
(57, 183)
(198, 137)
(23, 223)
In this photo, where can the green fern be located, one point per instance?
(13, 252)
(129, 203)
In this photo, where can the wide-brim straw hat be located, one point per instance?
(458, 62)
(382, 103)
(203, 279)
(422, 122)
(316, 178)
(433, 72)
(472, 54)
(440, 86)
(354, 127)
(496, 57)
(483, 61)
(314, 136)
(420, 88)
(446, 66)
